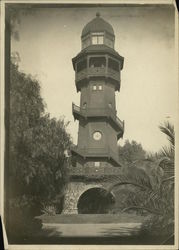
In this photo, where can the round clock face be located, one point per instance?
(97, 135)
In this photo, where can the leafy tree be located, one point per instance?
(37, 169)
(130, 152)
(26, 108)
(14, 14)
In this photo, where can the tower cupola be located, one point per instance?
(97, 32)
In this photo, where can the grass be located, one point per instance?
(46, 236)
(92, 218)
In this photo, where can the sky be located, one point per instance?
(144, 35)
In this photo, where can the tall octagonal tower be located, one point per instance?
(97, 76)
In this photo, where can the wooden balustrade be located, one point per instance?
(97, 71)
(91, 112)
(92, 170)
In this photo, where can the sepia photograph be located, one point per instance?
(89, 116)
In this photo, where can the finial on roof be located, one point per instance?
(97, 14)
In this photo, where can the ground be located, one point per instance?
(92, 218)
(122, 229)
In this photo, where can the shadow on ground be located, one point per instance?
(54, 231)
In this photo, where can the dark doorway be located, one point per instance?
(95, 201)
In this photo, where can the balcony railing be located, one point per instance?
(81, 75)
(97, 71)
(76, 108)
(95, 172)
(121, 123)
(93, 112)
(114, 74)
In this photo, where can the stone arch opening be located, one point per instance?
(95, 201)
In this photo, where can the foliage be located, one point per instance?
(14, 14)
(37, 142)
(153, 187)
(23, 224)
(141, 179)
(166, 155)
(130, 152)
(165, 159)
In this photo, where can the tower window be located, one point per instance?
(100, 39)
(100, 87)
(94, 40)
(97, 164)
(94, 87)
(97, 38)
(84, 105)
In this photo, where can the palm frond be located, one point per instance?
(167, 165)
(152, 200)
(143, 200)
(132, 176)
(168, 129)
(171, 179)
(167, 152)
(153, 211)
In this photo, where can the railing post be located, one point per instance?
(88, 58)
(106, 64)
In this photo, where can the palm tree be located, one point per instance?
(154, 190)
(166, 155)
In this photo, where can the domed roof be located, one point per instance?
(97, 25)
